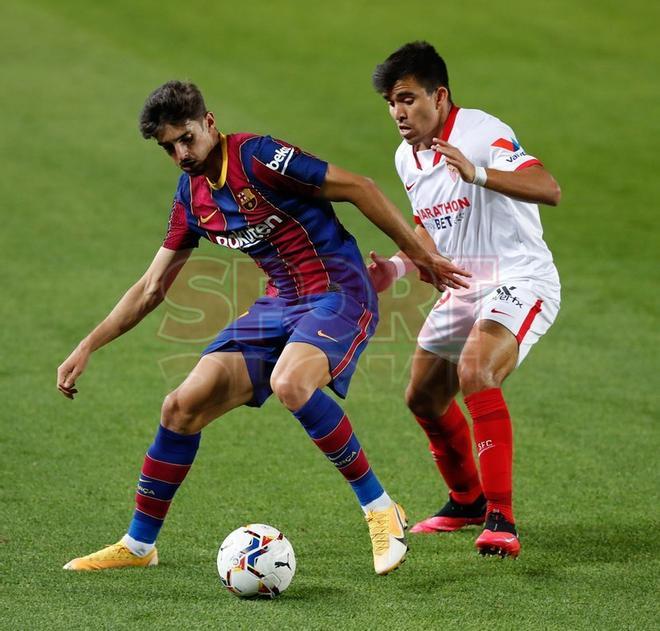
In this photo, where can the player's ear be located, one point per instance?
(441, 95)
(209, 117)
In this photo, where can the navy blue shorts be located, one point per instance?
(334, 322)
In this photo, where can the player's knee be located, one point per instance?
(176, 416)
(475, 378)
(290, 391)
(425, 404)
(417, 401)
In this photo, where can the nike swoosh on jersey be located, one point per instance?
(502, 312)
(409, 186)
(322, 334)
(205, 219)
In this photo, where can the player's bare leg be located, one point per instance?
(219, 383)
(297, 379)
(430, 397)
(489, 356)
(433, 384)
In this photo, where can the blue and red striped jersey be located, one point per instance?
(265, 205)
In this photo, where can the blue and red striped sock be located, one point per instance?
(330, 429)
(165, 466)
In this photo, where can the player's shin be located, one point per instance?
(328, 426)
(493, 435)
(450, 445)
(165, 466)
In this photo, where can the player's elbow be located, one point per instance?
(553, 195)
(366, 190)
(369, 185)
(359, 189)
(151, 292)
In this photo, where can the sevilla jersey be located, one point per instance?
(498, 239)
(264, 205)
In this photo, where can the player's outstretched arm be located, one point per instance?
(384, 272)
(343, 186)
(135, 304)
(533, 184)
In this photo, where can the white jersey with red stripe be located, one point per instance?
(498, 239)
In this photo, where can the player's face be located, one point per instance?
(190, 144)
(416, 113)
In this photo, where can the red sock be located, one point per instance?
(451, 446)
(492, 433)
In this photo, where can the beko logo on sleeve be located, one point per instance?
(281, 159)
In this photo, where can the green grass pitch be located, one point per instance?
(84, 206)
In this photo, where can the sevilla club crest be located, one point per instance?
(247, 199)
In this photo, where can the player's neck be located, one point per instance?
(214, 161)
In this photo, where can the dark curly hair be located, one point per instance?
(172, 103)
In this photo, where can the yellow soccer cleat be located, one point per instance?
(388, 538)
(113, 557)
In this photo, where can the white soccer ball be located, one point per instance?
(256, 560)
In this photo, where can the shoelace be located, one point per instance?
(378, 529)
(112, 551)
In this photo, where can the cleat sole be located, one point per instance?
(398, 565)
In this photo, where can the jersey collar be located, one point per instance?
(223, 169)
(446, 132)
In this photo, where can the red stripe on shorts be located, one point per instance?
(363, 323)
(527, 322)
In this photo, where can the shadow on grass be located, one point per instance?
(596, 542)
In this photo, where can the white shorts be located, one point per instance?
(525, 311)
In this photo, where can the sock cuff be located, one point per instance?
(172, 447)
(319, 406)
(486, 402)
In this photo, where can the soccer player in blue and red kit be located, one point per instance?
(272, 201)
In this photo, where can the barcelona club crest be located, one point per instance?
(247, 199)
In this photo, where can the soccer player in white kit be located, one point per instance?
(474, 193)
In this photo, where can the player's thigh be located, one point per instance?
(525, 309)
(489, 356)
(334, 329)
(447, 327)
(219, 382)
(433, 383)
(301, 366)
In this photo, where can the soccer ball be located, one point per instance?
(256, 560)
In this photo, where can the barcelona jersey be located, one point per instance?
(265, 204)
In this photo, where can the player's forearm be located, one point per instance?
(385, 215)
(136, 303)
(533, 184)
(427, 242)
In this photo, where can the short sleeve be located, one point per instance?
(286, 168)
(179, 236)
(505, 152)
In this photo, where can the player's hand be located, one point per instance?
(440, 272)
(69, 371)
(456, 161)
(381, 271)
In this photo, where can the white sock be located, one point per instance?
(138, 548)
(380, 503)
